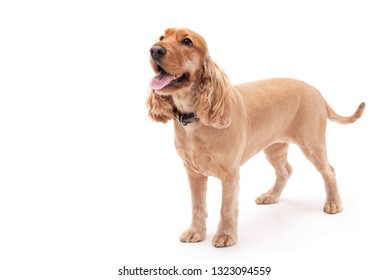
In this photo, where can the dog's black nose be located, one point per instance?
(157, 52)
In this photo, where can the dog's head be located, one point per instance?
(176, 60)
(181, 63)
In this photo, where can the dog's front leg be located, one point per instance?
(228, 226)
(198, 188)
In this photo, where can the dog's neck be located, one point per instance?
(183, 107)
(183, 101)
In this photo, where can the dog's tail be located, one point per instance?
(345, 120)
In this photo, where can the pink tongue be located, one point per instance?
(161, 81)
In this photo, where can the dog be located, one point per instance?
(219, 126)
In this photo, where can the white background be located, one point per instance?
(89, 184)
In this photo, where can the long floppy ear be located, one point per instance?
(212, 102)
(160, 107)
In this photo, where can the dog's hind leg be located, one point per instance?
(317, 154)
(276, 155)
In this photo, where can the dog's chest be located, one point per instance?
(197, 153)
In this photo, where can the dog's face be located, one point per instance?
(177, 60)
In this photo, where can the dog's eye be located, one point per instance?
(187, 42)
(161, 38)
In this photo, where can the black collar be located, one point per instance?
(186, 118)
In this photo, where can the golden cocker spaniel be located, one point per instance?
(219, 126)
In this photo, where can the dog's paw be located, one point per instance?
(266, 198)
(191, 235)
(223, 240)
(333, 206)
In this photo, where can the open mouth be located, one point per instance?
(164, 80)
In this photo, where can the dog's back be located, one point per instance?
(280, 110)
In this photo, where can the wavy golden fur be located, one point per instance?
(233, 123)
